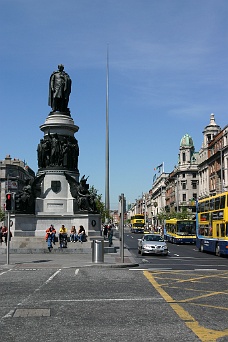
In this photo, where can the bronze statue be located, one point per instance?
(25, 199)
(58, 150)
(59, 90)
(80, 191)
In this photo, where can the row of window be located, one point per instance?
(184, 197)
(220, 230)
(213, 204)
(193, 175)
(184, 185)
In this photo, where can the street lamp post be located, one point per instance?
(177, 190)
(155, 214)
(145, 207)
(221, 166)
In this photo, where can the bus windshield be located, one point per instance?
(139, 217)
(186, 228)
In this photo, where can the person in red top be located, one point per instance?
(5, 233)
(50, 236)
(1, 234)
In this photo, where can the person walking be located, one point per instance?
(5, 233)
(105, 231)
(110, 235)
(1, 235)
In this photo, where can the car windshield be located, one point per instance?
(153, 238)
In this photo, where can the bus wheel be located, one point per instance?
(217, 250)
(201, 247)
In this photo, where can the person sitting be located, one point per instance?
(81, 234)
(50, 236)
(63, 236)
(73, 234)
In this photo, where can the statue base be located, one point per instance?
(55, 195)
(59, 123)
(35, 225)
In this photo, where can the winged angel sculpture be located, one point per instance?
(25, 199)
(80, 191)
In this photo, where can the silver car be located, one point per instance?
(152, 244)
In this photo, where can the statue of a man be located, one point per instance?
(59, 90)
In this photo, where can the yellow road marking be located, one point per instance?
(201, 277)
(175, 281)
(202, 296)
(186, 288)
(209, 306)
(205, 335)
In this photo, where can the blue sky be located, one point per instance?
(168, 63)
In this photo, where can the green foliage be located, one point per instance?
(2, 215)
(165, 215)
(99, 204)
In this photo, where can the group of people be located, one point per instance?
(77, 235)
(74, 236)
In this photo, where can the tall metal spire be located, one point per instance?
(107, 201)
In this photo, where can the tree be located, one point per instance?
(183, 214)
(99, 204)
(2, 215)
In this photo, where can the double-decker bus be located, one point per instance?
(137, 223)
(180, 230)
(212, 224)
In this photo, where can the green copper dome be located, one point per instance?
(186, 141)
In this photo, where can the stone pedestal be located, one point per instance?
(55, 204)
(56, 198)
(59, 123)
(35, 225)
(55, 194)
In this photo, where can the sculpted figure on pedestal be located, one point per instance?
(25, 199)
(59, 90)
(80, 191)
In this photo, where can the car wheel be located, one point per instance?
(201, 247)
(217, 250)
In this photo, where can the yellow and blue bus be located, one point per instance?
(180, 230)
(212, 224)
(137, 223)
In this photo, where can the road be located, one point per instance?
(155, 301)
(180, 257)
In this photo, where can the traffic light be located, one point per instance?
(8, 201)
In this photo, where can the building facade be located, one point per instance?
(208, 159)
(197, 175)
(13, 174)
(182, 183)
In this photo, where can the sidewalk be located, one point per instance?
(66, 260)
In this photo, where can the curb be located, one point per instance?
(93, 265)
